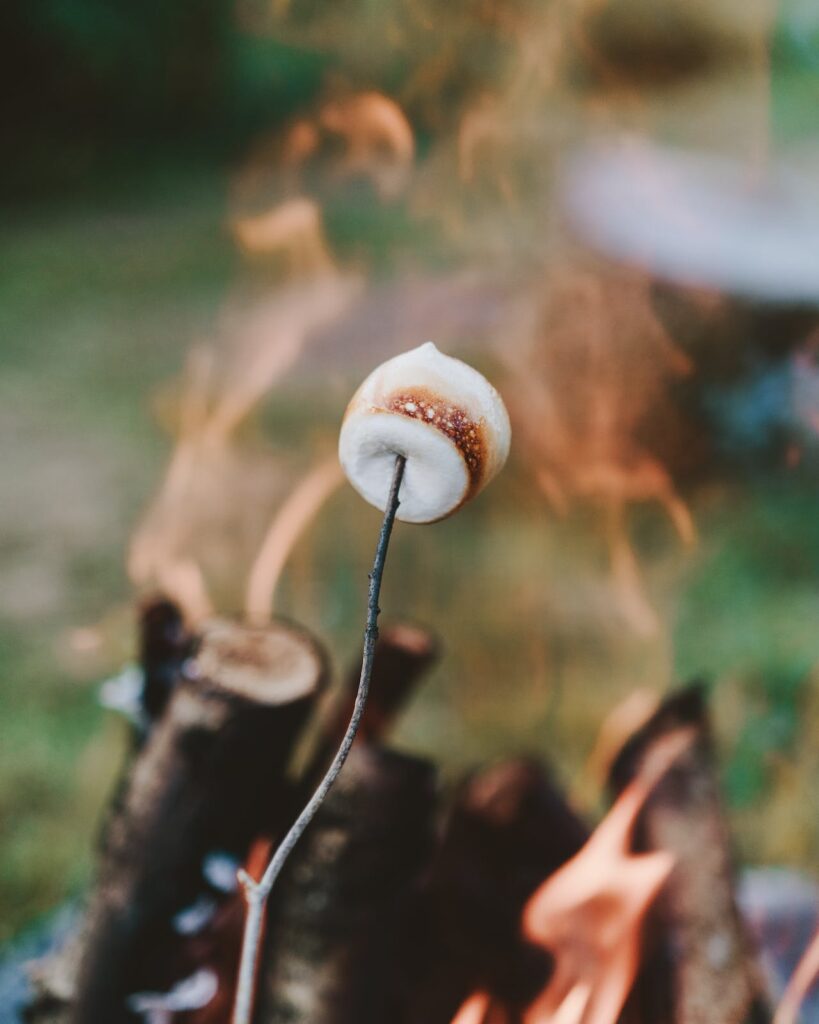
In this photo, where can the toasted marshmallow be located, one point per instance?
(443, 416)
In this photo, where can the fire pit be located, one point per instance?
(573, 781)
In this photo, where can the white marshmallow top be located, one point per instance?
(442, 415)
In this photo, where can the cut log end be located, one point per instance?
(270, 665)
(418, 642)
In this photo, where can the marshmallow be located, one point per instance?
(442, 415)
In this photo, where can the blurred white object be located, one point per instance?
(220, 870)
(698, 219)
(189, 994)
(195, 918)
(123, 693)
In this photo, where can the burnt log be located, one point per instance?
(210, 777)
(338, 910)
(705, 972)
(508, 830)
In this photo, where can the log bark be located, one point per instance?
(508, 830)
(707, 971)
(332, 954)
(208, 779)
(403, 654)
(165, 643)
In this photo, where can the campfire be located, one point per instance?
(498, 903)
(272, 852)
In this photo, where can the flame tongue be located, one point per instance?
(481, 1009)
(589, 914)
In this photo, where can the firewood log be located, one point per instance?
(208, 778)
(508, 830)
(708, 962)
(403, 654)
(164, 644)
(333, 952)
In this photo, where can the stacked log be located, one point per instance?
(381, 913)
(705, 970)
(509, 828)
(333, 955)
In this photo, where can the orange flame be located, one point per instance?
(188, 515)
(619, 724)
(261, 344)
(378, 137)
(294, 516)
(589, 914)
(155, 556)
(293, 229)
(480, 1008)
(363, 134)
(580, 391)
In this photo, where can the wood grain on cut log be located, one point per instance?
(508, 830)
(333, 952)
(714, 975)
(209, 778)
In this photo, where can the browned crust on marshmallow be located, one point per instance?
(468, 435)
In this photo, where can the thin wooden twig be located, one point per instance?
(257, 893)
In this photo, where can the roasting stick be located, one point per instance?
(436, 426)
(256, 893)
